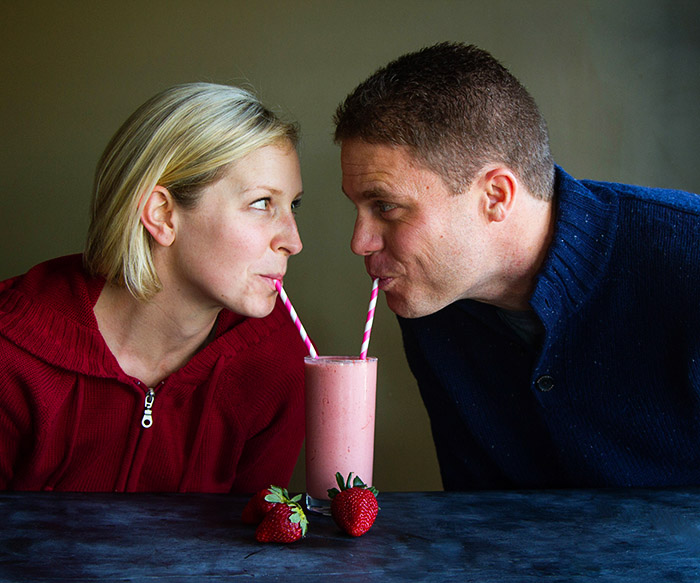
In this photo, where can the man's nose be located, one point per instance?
(366, 238)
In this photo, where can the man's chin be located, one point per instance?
(410, 309)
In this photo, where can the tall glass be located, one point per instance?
(340, 407)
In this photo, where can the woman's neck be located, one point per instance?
(151, 340)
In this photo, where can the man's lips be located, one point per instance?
(380, 272)
(384, 280)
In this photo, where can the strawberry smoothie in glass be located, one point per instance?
(340, 407)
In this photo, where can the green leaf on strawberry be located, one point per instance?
(277, 494)
(262, 502)
(345, 485)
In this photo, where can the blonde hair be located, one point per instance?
(181, 139)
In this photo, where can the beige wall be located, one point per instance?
(618, 82)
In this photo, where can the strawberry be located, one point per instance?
(285, 523)
(355, 507)
(262, 502)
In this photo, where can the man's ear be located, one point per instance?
(157, 216)
(500, 187)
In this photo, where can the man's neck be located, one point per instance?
(526, 245)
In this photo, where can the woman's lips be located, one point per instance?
(271, 279)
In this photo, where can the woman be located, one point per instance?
(161, 360)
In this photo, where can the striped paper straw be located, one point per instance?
(370, 319)
(295, 318)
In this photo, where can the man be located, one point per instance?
(553, 325)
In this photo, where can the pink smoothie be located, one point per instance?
(340, 406)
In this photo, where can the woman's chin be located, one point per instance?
(259, 310)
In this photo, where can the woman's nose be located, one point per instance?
(289, 240)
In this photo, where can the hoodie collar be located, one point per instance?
(49, 312)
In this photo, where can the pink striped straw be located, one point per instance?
(295, 318)
(370, 319)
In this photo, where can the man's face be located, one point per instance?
(428, 246)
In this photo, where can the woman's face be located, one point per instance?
(235, 242)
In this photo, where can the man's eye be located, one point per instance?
(296, 204)
(385, 207)
(261, 204)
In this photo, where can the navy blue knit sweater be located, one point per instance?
(610, 395)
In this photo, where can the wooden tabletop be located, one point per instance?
(568, 535)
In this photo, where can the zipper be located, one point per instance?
(128, 480)
(147, 419)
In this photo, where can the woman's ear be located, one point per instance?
(501, 187)
(157, 216)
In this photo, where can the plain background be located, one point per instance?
(618, 82)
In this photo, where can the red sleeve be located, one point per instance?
(14, 417)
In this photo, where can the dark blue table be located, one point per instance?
(606, 535)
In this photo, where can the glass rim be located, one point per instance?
(340, 359)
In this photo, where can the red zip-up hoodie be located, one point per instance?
(230, 420)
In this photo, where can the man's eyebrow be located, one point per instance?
(374, 193)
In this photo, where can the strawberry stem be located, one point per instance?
(351, 482)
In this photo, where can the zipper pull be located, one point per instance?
(147, 419)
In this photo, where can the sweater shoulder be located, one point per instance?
(48, 313)
(678, 200)
(59, 285)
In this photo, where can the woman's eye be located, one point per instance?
(296, 204)
(262, 204)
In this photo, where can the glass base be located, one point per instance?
(318, 506)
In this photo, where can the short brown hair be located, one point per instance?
(457, 109)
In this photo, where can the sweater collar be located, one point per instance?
(580, 251)
(49, 312)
